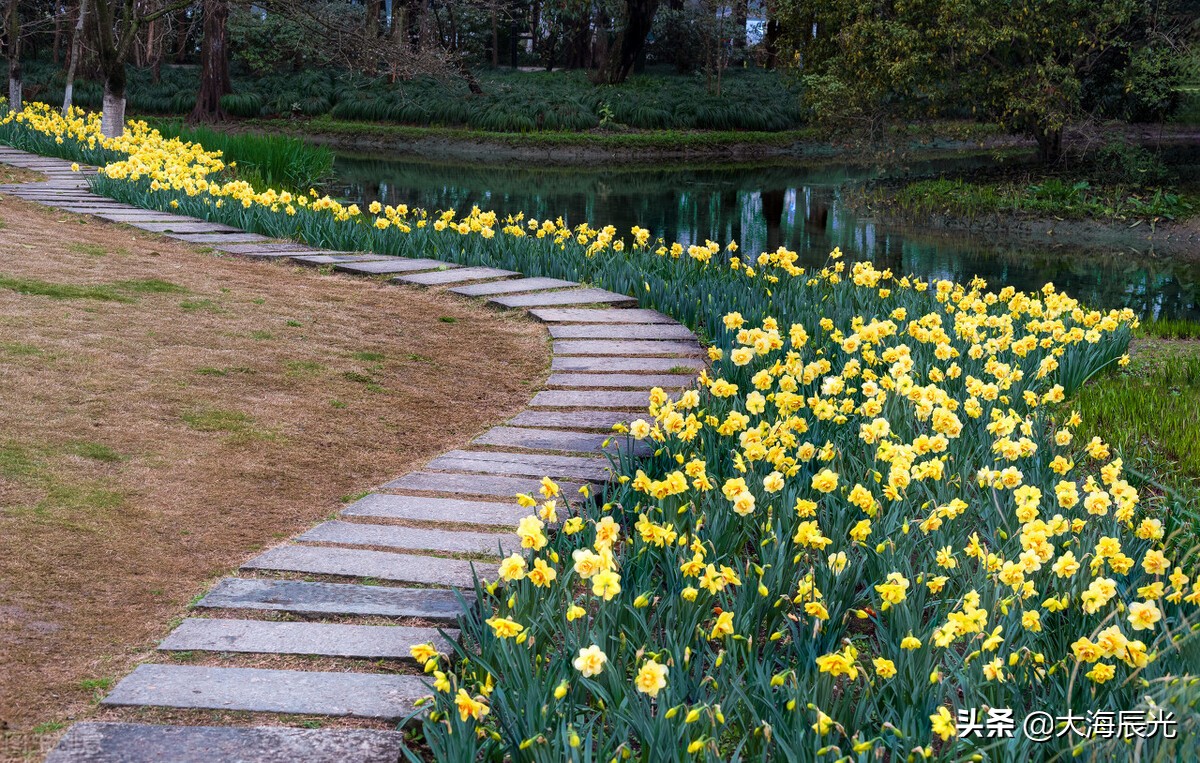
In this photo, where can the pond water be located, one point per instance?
(769, 205)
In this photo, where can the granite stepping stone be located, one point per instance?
(599, 315)
(620, 381)
(514, 286)
(525, 464)
(360, 563)
(333, 259)
(445, 277)
(570, 419)
(568, 297)
(418, 508)
(554, 439)
(627, 347)
(271, 246)
(620, 331)
(409, 538)
(58, 198)
(127, 219)
(283, 254)
(471, 484)
(93, 742)
(392, 265)
(637, 364)
(571, 399)
(360, 695)
(186, 228)
(214, 238)
(391, 642)
(98, 204)
(121, 212)
(308, 598)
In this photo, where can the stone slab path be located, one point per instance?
(407, 553)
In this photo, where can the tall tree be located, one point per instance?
(116, 32)
(12, 50)
(214, 64)
(1024, 64)
(76, 52)
(637, 18)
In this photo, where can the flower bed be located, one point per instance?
(869, 520)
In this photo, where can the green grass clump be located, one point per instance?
(97, 452)
(266, 161)
(1148, 412)
(1054, 197)
(39, 288)
(1170, 328)
(150, 286)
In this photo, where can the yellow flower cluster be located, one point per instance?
(931, 447)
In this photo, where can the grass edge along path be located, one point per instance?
(648, 718)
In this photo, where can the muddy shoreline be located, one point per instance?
(1175, 240)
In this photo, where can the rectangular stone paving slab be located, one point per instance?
(570, 419)
(93, 742)
(461, 275)
(270, 246)
(283, 254)
(635, 364)
(409, 538)
(121, 216)
(514, 286)
(360, 695)
(187, 228)
(620, 381)
(214, 238)
(470, 484)
(627, 347)
(568, 297)
(419, 508)
(392, 642)
(524, 464)
(333, 259)
(392, 265)
(303, 597)
(570, 399)
(360, 563)
(102, 205)
(599, 315)
(550, 439)
(620, 331)
(57, 198)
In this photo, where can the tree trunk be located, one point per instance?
(112, 117)
(372, 20)
(741, 16)
(579, 50)
(183, 30)
(638, 18)
(495, 40)
(1049, 145)
(76, 52)
(771, 42)
(12, 39)
(56, 46)
(214, 58)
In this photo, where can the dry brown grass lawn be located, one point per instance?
(165, 412)
(11, 174)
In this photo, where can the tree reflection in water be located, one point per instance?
(766, 206)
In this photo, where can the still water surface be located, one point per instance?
(766, 206)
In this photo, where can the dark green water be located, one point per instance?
(767, 206)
